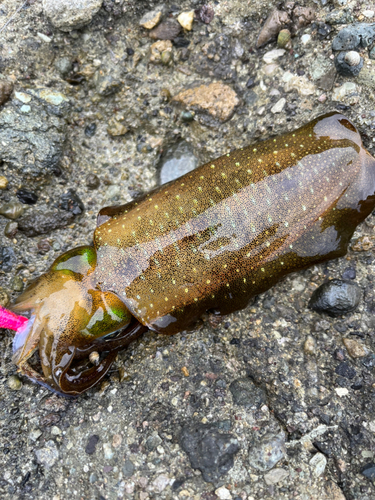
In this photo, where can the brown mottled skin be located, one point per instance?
(209, 240)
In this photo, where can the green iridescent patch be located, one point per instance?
(80, 260)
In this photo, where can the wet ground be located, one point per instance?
(277, 401)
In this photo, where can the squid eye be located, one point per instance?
(81, 260)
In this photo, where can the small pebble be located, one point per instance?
(14, 383)
(246, 393)
(187, 116)
(91, 444)
(158, 48)
(265, 452)
(4, 298)
(336, 297)
(305, 39)
(185, 371)
(35, 434)
(318, 464)
(128, 468)
(362, 244)
(92, 181)
(275, 476)
(354, 348)
(44, 37)
(43, 247)
(272, 55)
(44, 222)
(205, 14)
(349, 274)
(71, 202)
(167, 30)
(17, 284)
(90, 130)
(12, 210)
(26, 197)
(151, 19)
(310, 345)
(209, 451)
(166, 57)
(63, 65)
(116, 129)
(112, 192)
(48, 455)
(344, 369)
(177, 161)
(11, 229)
(67, 15)
(369, 471)
(278, 107)
(6, 89)
(108, 452)
(3, 182)
(250, 83)
(165, 94)
(186, 20)
(223, 493)
(160, 483)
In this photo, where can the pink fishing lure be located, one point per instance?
(10, 320)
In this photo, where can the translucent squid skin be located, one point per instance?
(210, 240)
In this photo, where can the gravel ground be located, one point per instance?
(276, 401)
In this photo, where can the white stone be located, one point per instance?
(368, 13)
(341, 391)
(278, 107)
(151, 19)
(44, 37)
(186, 19)
(108, 452)
(129, 487)
(52, 97)
(272, 55)
(269, 69)
(344, 90)
(318, 464)
(161, 482)
(68, 15)
(48, 455)
(223, 493)
(36, 433)
(275, 476)
(305, 39)
(301, 84)
(287, 76)
(25, 98)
